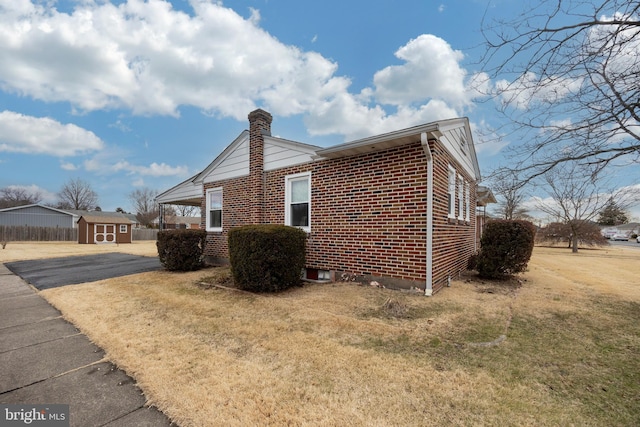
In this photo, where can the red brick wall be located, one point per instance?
(368, 214)
(453, 240)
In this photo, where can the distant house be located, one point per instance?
(398, 208)
(104, 227)
(134, 220)
(37, 215)
(485, 196)
(177, 222)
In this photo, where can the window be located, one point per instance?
(214, 209)
(451, 193)
(298, 201)
(123, 228)
(460, 198)
(467, 198)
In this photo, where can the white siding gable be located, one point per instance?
(458, 142)
(281, 153)
(232, 163)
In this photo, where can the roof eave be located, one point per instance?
(380, 142)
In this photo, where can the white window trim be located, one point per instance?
(460, 198)
(467, 201)
(123, 228)
(451, 192)
(287, 198)
(208, 208)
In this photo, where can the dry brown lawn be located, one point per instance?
(344, 354)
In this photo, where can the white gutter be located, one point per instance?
(428, 289)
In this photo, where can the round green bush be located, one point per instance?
(181, 250)
(267, 257)
(505, 248)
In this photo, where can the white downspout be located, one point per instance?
(428, 289)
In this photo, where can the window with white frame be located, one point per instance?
(451, 193)
(460, 198)
(123, 228)
(298, 201)
(214, 209)
(467, 199)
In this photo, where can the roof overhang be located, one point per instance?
(381, 142)
(485, 196)
(187, 193)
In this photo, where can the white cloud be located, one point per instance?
(431, 70)
(101, 164)
(68, 166)
(138, 182)
(485, 140)
(120, 126)
(42, 135)
(146, 57)
(528, 89)
(46, 196)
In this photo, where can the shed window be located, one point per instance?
(214, 209)
(298, 201)
(123, 228)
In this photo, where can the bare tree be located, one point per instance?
(77, 194)
(186, 210)
(578, 196)
(511, 192)
(145, 205)
(567, 74)
(15, 195)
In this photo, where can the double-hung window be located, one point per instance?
(467, 202)
(214, 209)
(298, 201)
(460, 198)
(451, 193)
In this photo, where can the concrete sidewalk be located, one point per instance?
(46, 360)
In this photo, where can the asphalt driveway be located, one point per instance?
(55, 272)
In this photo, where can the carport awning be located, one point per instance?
(186, 193)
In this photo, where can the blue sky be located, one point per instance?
(130, 94)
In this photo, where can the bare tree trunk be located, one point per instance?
(574, 243)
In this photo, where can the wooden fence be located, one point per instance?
(10, 233)
(145, 234)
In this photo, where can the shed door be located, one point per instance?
(105, 233)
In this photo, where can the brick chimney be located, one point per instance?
(259, 125)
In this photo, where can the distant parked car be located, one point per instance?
(620, 237)
(638, 239)
(608, 234)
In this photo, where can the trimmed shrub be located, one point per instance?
(505, 248)
(181, 250)
(267, 257)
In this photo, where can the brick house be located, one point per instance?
(398, 208)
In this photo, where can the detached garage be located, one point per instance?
(96, 228)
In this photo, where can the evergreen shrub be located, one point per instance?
(267, 257)
(505, 248)
(181, 250)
